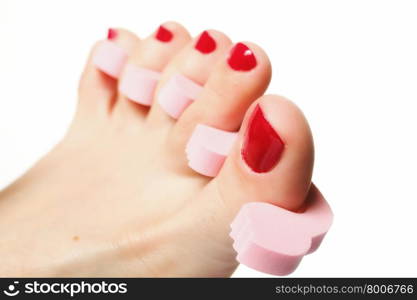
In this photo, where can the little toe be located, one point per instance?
(98, 84)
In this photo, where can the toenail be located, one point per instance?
(111, 34)
(163, 34)
(179, 92)
(110, 58)
(138, 84)
(208, 148)
(206, 43)
(241, 58)
(262, 146)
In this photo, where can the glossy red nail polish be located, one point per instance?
(262, 146)
(163, 34)
(111, 34)
(241, 58)
(205, 43)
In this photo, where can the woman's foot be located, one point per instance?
(117, 198)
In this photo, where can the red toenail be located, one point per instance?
(111, 34)
(241, 58)
(163, 34)
(262, 145)
(205, 43)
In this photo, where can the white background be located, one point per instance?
(350, 65)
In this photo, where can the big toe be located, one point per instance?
(272, 160)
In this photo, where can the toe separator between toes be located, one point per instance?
(208, 148)
(177, 94)
(139, 84)
(110, 58)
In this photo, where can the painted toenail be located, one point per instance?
(110, 58)
(262, 146)
(179, 92)
(205, 44)
(111, 34)
(241, 58)
(138, 84)
(163, 34)
(273, 240)
(208, 148)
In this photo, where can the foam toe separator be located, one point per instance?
(273, 240)
(208, 148)
(110, 58)
(138, 84)
(179, 92)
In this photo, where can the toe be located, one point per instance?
(143, 69)
(98, 84)
(272, 161)
(241, 76)
(183, 78)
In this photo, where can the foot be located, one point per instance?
(117, 198)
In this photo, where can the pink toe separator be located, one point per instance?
(273, 240)
(177, 94)
(138, 84)
(208, 148)
(110, 58)
(266, 237)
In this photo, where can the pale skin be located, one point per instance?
(116, 198)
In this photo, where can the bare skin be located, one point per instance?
(116, 197)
